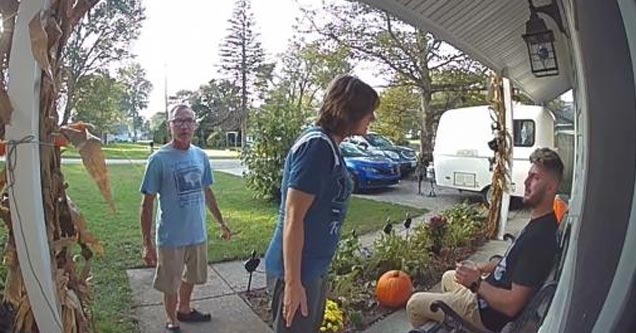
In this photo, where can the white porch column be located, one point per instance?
(27, 212)
(505, 198)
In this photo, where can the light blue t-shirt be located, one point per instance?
(179, 177)
(314, 165)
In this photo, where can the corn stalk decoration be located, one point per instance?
(501, 169)
(66, 227)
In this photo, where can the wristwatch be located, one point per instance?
(475, 285)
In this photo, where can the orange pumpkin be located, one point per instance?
(394, 289)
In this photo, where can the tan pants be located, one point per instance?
(458, 297)
(171, 262)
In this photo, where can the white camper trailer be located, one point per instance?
(461, 153)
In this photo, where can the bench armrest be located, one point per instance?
(508, 237)
(452, 322)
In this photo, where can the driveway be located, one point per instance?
(405, 193)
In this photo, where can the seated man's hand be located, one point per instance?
(489, 267)
(467, 274)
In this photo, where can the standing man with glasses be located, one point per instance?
(180, 174)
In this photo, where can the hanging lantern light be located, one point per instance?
(540, 40)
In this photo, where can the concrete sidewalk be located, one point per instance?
(218, 297)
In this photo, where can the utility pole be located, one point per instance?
(165, 98)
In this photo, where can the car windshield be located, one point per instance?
(350, 150)
(377, 140)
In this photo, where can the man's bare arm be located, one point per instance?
(149, 252)
(509, 302)
(213, 206)
(147, 205)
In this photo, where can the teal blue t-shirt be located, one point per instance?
(179, 178)
(314, 165)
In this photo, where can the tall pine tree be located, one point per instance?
(243, 60)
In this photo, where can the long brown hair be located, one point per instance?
(347, 100)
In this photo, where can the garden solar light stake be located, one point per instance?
(250, 266)
(388, 227)
(407, 223)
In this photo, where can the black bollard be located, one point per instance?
(250, 266)
(388, 227)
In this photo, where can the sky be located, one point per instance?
(180, 43)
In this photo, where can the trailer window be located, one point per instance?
(523, 133)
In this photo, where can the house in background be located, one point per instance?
(121, 133)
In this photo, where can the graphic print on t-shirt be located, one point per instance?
(188, 181)
(500, 269)
(338, 203)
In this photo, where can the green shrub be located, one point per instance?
(436, 229)
(160, 135)
(347, 274)
(274, 128)
(410, 255)
(464, 225)
(216, 139)
(353, 290)
(348, 255)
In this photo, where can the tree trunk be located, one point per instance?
(70, 101)
(426, 121)
(244, 70)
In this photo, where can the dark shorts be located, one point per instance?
(316, 292)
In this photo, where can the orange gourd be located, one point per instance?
(394, 289)
(560, 208)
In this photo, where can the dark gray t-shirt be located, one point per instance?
(527, 262)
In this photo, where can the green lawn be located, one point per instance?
(131, 151)
(121, 235)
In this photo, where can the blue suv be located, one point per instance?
(369, 171)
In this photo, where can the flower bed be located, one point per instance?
(428, 250)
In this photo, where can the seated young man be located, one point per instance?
(511, 282)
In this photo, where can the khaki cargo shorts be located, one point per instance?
(171, 262)
(458, 297)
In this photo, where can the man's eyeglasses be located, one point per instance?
(183, 122)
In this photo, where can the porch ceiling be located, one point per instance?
(489, 31)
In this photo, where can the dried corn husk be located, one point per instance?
(66, 227)
(90, 149)
(501, 170)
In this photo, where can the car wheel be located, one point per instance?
(486, 195)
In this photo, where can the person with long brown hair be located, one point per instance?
(315, 190)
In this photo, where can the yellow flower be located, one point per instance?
(333, 319)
